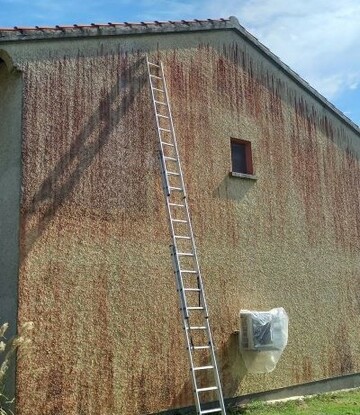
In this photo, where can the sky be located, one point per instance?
(318, 39)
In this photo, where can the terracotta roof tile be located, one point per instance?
(125, 28)
(33, 29)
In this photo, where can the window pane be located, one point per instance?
(238, 154)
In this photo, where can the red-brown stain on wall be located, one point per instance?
(341, 359)
(95, 271)
(307, 374)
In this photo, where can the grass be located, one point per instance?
(8, 349)
(339, 403)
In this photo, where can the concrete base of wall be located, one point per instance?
(311, 388)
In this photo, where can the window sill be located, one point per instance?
(243, 175)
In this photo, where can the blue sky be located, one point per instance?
(316, 38)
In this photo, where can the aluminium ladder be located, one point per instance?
(194, 311)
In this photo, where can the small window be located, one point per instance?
(241, 156)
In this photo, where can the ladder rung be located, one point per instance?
(210, 411)
(195, 308)
(185, 254)
(167, 144)
(157, 89)
(170, 158)
(160, 115)
(164, 129)
(180, 189)
(187, 271)
(203, 368)
(209, 388)
(179, 220)
(159, 102)
(192, 289)
(197, 327)
(200, 347)
(153, 64)
(173, 173)
(155, 76)
(176, 204)
(182, 237)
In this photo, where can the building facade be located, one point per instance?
(84, 234)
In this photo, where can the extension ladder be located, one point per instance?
(194, 311)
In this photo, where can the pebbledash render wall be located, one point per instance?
(94, 267)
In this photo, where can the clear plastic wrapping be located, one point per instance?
(263, 338)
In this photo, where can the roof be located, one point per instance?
(16, 34)
(108, 29)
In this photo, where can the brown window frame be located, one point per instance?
(249, 168)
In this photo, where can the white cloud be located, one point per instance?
(318, 39)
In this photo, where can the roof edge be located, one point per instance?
(155, 27)
(293, 75)
(110, 29)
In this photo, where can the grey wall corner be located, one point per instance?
(11, 90)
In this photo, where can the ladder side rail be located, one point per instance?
(207, 324)
(186, 328)
(200, 282)
(172, 128)
(163, 162)
(164, 169)
(178, 285)
(179, 280)
(164, 184)
(168, 108)
(176, 260)
(175, 254)
(179, 276)
(197, 265)
(216, 369)
(184, 191)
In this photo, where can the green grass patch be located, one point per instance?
(339, 403)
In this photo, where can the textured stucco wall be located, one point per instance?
(95, 271)
(10, 174)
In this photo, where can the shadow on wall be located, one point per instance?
(232, 365)
(232, 371)
(56, 188)
(6, 59)
(233, 188)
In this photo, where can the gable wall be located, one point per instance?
(95, 271)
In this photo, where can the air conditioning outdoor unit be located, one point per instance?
(257, 331)
(263, 338)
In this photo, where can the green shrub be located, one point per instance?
(8, 349)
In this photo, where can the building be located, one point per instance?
(84, 234)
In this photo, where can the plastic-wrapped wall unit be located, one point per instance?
(263, 338)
